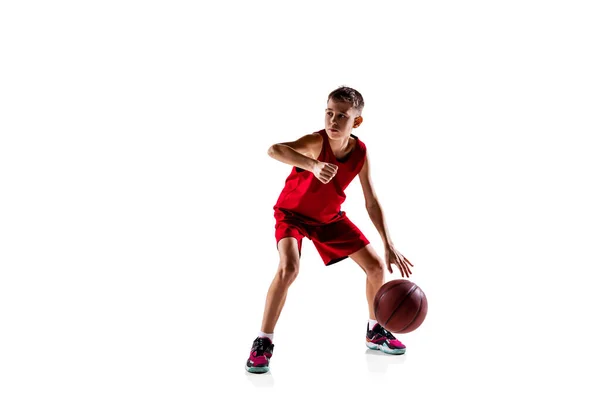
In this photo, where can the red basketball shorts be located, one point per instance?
(334, 241)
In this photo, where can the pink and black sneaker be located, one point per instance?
(261, 353)
(381, 339)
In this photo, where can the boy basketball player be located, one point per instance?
(324, 163)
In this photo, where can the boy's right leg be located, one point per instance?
(289, 265)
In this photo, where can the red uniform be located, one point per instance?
(309, 208)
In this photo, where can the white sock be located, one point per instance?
(267, 335)
(372, 323)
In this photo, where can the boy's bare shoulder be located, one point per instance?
(309, 145)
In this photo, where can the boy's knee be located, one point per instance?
(288, 270)
(376, 267)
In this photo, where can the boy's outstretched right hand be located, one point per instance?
(324, 171)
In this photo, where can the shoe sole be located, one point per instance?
(385, 349)
(257, 370)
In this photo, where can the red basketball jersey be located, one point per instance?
(304, 194)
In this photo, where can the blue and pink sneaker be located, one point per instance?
(261, 353)
(380, 338)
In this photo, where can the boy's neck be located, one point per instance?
(341, 145)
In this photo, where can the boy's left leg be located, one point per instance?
(373, 265)
(378, 338)
(341, 239)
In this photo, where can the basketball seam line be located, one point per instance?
(416, 315)
(412, 289)
(378, 300)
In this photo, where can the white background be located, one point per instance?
(136, 222)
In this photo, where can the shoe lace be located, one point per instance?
(386, 333)
(260, 346)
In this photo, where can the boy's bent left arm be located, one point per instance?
(392, 256)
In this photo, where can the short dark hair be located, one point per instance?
(349, 95)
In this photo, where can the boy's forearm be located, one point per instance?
(376, 215)
(289, 156)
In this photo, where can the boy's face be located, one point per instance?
(340, 118)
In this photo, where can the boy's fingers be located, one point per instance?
(401, 268)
